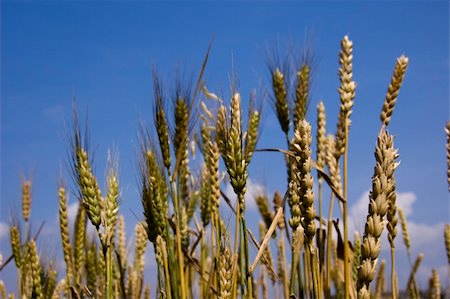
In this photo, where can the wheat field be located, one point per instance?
(303, 249)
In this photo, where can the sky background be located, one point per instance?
(102, 54)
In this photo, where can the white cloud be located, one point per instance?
(72, 211)
(253, 189)
(54, 113)
(4, 230)
(358, 211)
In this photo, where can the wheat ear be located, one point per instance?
(380, 281)
(154, 197)
(302, 93)
(385, 155)
(160, 118)
(267, 260)
(347, 94)
(225, 273)
(58, 289)
(263, 206)
(14, 234)
(393, 90)
(79, 242)
(447, 241)
(65, 234)
(26, 200)
(35, 269)
(447, 131)
(434, 291)
(412, 287)
(2, 290)
(121, 242)
(281, 102)
(405, 232)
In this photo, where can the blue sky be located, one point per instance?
(102, 54)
